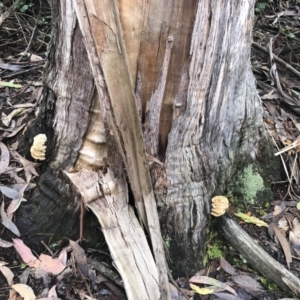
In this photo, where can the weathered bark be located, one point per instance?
(216, 128)
(64, 117)
(185, 67)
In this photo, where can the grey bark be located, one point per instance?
(200, 112)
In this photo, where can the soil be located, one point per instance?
(25, 33)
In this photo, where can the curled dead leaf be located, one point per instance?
(4, 158)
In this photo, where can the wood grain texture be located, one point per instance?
(102, 31)
(107, 197)
(163, 67)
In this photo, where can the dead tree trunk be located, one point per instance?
(184, 66)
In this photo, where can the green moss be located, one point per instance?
(249, 186)
(214, 251)
(270, 286)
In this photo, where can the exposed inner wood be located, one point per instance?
(107, 197)
(105, 44)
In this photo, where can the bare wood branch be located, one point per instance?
(258, 258)
(277, 59)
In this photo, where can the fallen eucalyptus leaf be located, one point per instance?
(5, 244)
(202, 291)
(8, 274)
(24, 290)
(7, 222)
(7, 119)
(4, 158)
(10, 84)
(250, 219)
(10, 193)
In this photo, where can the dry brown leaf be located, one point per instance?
(48, 264)
(8, 274)
(23, 105)
(25, 291)
(24, 251)
(13, 175)
(4, 158)
(49, 298)
(7, 222)
(45, 262)
(284, 244)
(11, 67)
(5, 244)
(52, 292)
(80, 258)
(29, 166)
(7, 119)
(226, 296)
(271, 95)
(10, 193)
(16, 131)
(227, 267)
(248, 283)
(218, 285)
(294, 236)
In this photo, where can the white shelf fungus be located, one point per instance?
(219, 205)
(38, 148)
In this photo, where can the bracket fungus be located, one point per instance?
(219, 205)
(38, 148)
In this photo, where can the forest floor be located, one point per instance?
(25, 30)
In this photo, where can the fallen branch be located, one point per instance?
(258, 258)
(277, 59)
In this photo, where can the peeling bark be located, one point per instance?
(64, 118)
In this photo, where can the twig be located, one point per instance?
(32, 34)
(8, 11)
(50, 251)
(277, 59)
(22, 72)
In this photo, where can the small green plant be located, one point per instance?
(53, 245)
(271, 286)
(287, 33)
(260, 7)
(23, 6)
(262, 4)
(214, 251)
(43, 21)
